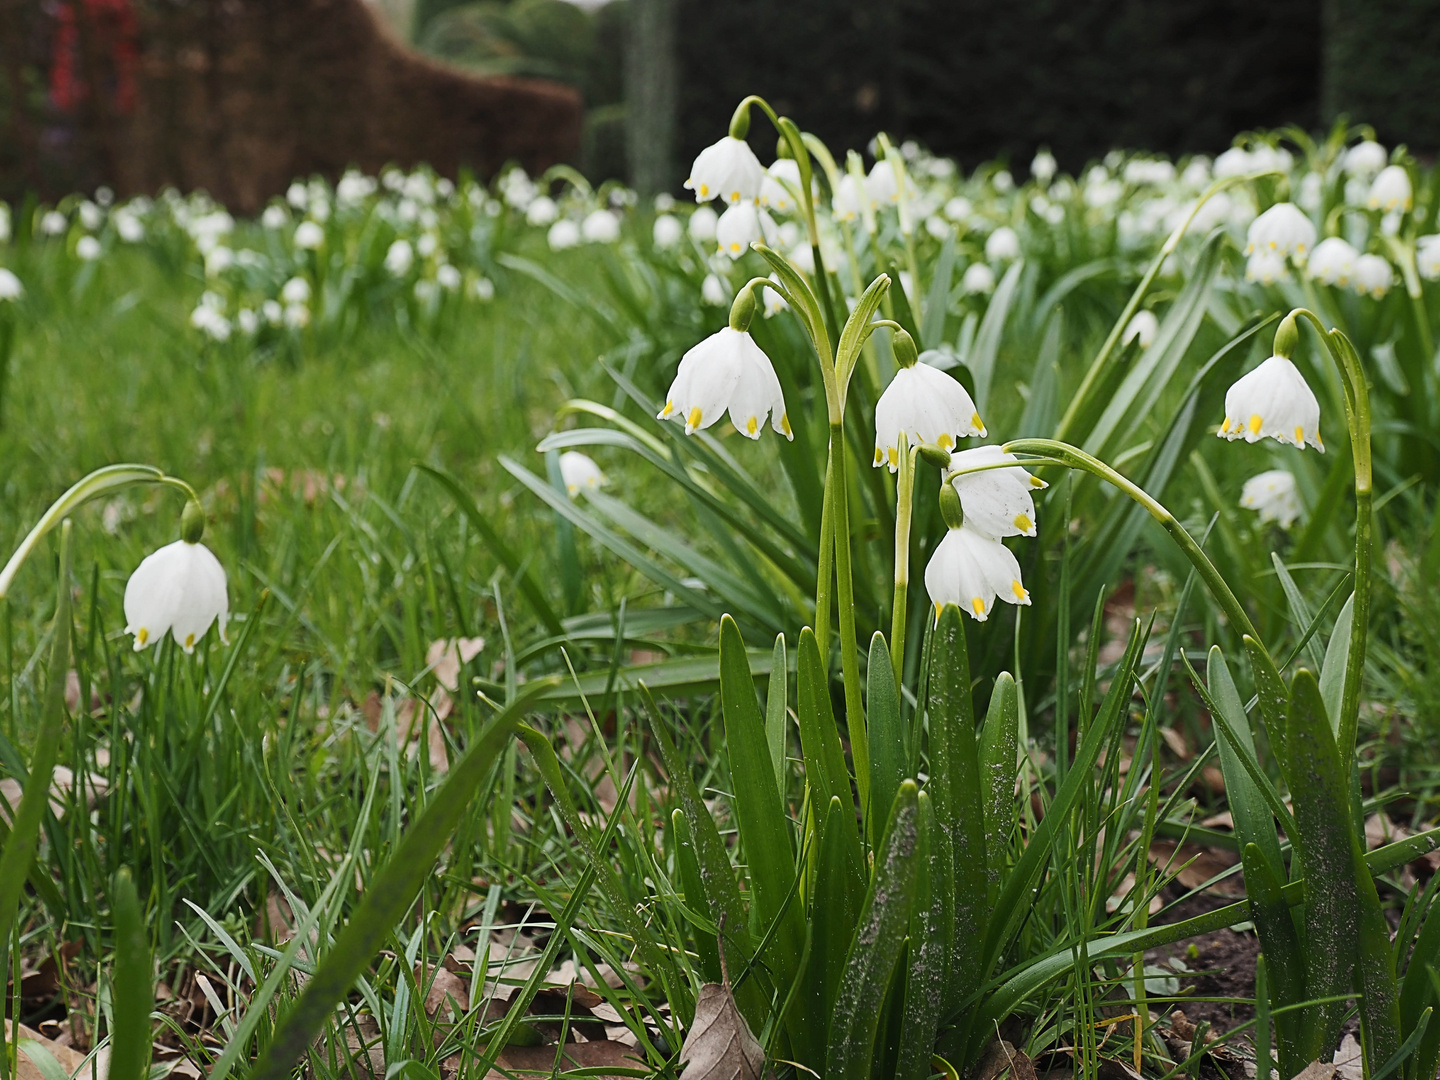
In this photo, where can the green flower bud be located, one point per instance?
(1287, 336)
(740, 121)
(192, 522)
(903, 345)
(782, 148)
(950, 506)
(935, 455)
(742, 310)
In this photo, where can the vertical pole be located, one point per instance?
(651, 85)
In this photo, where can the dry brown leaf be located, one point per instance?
(1222, 820)
(1349, 1060)
(68, 1058)
(719, 1044)
(444, 987)
(62, 782)
(1193, 866)
(597, 1054)
(446, 657)
(1175, 740)
(1316, 1070)
(1122, 896)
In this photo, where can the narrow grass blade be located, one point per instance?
(825, 769)
(888, 752)
(1418, 993)
(132, 988)
(877, 945)
(775, 704)
(983, 354)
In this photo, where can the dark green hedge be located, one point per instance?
(1382, 66)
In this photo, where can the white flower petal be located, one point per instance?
(180, 589)
(1273, 401)
(997, 502)
(929, 406)
(970, 570)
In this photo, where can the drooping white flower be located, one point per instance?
(726, 170)
(274, 217)
(1266, 268)
(1142, 327)
(997, 502)
(1274, 495)
(978, 278)
(295, 291)
(1373, 276)
(1312, 193)
(959, 208)
(1003, 182)
(179, 589)
(399, 257)
(1002, 244)
(600, 227)
(91, 216)
(667, 231)
(713, 291)
(87, 248)
(881, 186)
(702, 225)
(929, 406)
(483, 289)
(1333, 262)
(427, 244)
(1365, 158)
(1275, 402)
(218, 260)
(1283, 229)
(848, 202)
(579, 473)
(1390, 190)
(541, 211)
(128, 226)
(53, 223)
(727, 372)
(563, 234)
(1043, 166)
(970, 569)
(737, 229)
(773, 302)
(10, 287)
(781, 186)
(297, 195)
(1427, 257)
(297, 316)
(1233, 162)
(1197, 173)
(448, 277)
(309, 235)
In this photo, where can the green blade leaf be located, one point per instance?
(1332, 671)
(133, 991)
(838, 894)
(925, 984)
(888, 754)
(1284, 956)
(775, 703)
(982, 356)
(825, 769)
(999, 753)
(877, 945)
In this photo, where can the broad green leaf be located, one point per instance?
(132, 986)
(775, 704)
(1418, 993)
(999, 754)
(1254, 822)
(1270, 689)
(677, 676)
(888, 753)
(834, 912)
(980, 358)
(825, 770)
(1332, 901)
(857, 327)
(759, 812)
(956, 788)
(1284, 955)
(937, 298)
(925, 982)
(1332, 671)
(1300, 613)
(877, 945)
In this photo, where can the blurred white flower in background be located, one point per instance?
(779, 187)
(128, 226)
(713, 291)
(519, 190)
(247, 321)
(309, 235)
(1266, 268)
(273, 313)
(579, 473)
(737, 229)
(667, 231)
(427, 244)
(978, 278)
(1043, 166)
(1283, 229)
(727, 372)
(297, 195)
(1273, 401)
(1365, 159)
(1427, 257)
(1312, 193)
(87, 248)
(848, 202)
(482, 288)
(295, 291)
(702, 225)
(297, 316)
(1003, 182)
(1002, 244)
(1233, 162)
(1142, 327)
(274, 217)
(4, 223)
(774, 303)
(1373, 276)
(1390, 190)
(541, 211)
(447, 277)
(726, 170)
(1274, 495)
(53, 223)
(563, 234)
(1333, 262)
(218, 260)
(958, 208)
(91, 216)
(600, 227)
(10, 286)
(399, 257)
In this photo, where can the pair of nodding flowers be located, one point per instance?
(728, 372)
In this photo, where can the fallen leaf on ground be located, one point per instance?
(600, 1054)
(62, 782)
(1349, 1060)
(1193, 866)
(1316, 1070)
(446, 657)
(719, 1044)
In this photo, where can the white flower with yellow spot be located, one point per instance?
(727, 372)
(1266, 268)
(580, 473)
(179, 589)
(1427, 257)
(1142, 327)
(1273, 402)
(1373, 276)
(1365, 158)
(848, 204)
(1283, 229)
(781, 186)
(929, 406)
(1390, 190)
(1274, 496)
(740, 226)
(726, 170)
(1333, 262)
(969, 570)
(996, 502)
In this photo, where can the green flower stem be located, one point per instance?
(1054, 452)
(825, 571)
(96, 483)
(1357, 405)
(1404, 254)
(1103, 357)
(845, 597)
(904, 498)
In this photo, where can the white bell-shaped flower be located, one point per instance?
(727, 372)
(978, 278)
(10, 287)
(997, 502)
(1333, 262)
(1365, 158)
(1373, 276)
(1043, 166)
(309, 235)
(713, 291)
(1275, 402)
(1390, 190)
(1266, 268)
(1142, 327)
(1274, 495)
(881, 185)
(781, 186)
(702, 224)
(580, 473)
(929, 406)
(969, 570)
(179, 589)
(541, 211)
(398, 258)
(600, 227)
(1427, 257)
(737, 229)
(848, 202)
(562, 235)
(1002, 245)
(1283, 229)
(666, 232)
(726, 170)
